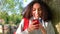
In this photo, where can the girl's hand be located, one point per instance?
(33, 26)
(42, 29)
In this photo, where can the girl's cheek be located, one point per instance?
(33, 12)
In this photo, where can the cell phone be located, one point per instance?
(37, 21)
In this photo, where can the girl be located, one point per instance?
(35, 20)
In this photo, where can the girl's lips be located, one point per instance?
(36, 15)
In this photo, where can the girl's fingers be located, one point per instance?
(34, 22)
(40, 26)
(36, 26)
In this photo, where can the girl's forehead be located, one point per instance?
(36, 5)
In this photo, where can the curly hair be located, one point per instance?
(46, 15)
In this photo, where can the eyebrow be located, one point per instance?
(38, 8)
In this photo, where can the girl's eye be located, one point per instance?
(33, 9)
(39, 9)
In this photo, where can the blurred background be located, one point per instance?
(10, 14)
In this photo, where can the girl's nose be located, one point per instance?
(36, 11)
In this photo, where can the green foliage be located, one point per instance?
(11, 11)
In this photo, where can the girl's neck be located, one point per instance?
(37, 18)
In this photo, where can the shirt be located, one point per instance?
(47, 25)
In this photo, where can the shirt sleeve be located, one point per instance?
(50, 29)
(19, 30)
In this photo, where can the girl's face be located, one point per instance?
(36, 10)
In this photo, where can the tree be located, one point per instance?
(11, 11)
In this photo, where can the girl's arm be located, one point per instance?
(42, 29)
(50, 29)
(19, 30)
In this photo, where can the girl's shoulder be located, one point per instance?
(49, 23)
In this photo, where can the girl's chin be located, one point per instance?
(36, 17)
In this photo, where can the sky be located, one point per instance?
(26, 3)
